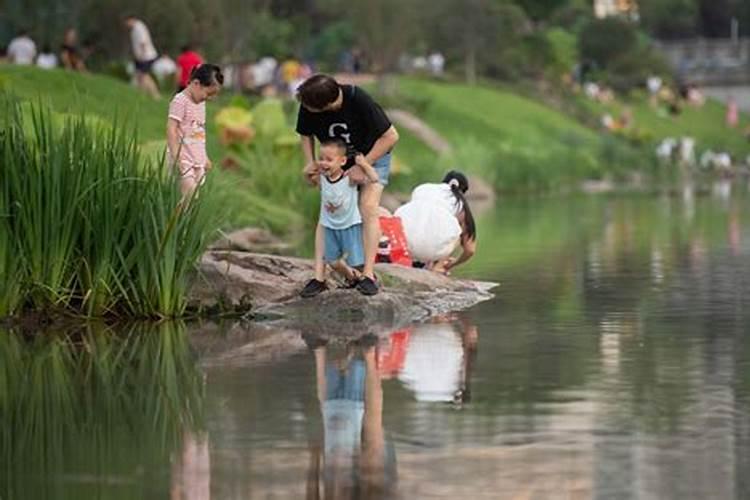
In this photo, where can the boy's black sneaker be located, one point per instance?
(313, 288)
(367, 286)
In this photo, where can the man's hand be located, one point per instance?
(362, 172)
(357, 175)
(209, 165)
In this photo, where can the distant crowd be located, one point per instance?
(151, 69)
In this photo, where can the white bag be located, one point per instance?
(432, 232)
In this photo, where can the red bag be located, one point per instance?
(393, 230)
(391, 359)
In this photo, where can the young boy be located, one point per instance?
(186, 126)
(339, 217)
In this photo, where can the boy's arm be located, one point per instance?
(384, 144)
(367, 168)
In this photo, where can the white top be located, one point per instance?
(433, 364)
(22, 50)
(338, 203)
(46, 61)
(164, 66)
(440, 194)
(140, 39)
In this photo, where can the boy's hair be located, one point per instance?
(207, 75)
(318, 91)
(336, 142)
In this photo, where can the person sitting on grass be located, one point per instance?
(186, 127)
(342, 245)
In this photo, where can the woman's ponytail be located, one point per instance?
(459, 184)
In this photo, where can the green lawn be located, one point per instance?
(705, 124)
(514, 141)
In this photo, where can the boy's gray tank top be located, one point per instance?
(338, 203)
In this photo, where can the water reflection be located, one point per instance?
(351, 457)
(614, 363)
(191, 468)
(93, 412)
(439, 359)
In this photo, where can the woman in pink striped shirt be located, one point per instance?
(186, 127)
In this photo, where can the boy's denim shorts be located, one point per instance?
(344, 242)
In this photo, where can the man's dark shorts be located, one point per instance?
(145, 66)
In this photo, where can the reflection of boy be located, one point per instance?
(339, 216)
(356, 457)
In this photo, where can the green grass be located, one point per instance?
(87, 225)
(706, 124)
(513, 141)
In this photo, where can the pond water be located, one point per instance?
(613, 363)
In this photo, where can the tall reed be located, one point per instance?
(89, 225)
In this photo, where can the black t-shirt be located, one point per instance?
(359, 122)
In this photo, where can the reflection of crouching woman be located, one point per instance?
(436, 220)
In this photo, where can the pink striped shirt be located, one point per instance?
(191, 118)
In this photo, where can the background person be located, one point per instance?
(46, 58)
(186, 62)
(144, 55)
(70, 53)
(22, 49)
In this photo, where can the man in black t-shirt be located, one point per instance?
(329, 110)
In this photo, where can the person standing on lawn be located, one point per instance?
(329, 110)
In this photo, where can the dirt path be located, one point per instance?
(424, 132)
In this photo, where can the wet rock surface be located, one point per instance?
(270, 284)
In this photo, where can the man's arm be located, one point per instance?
(310, 170)
(384, 144)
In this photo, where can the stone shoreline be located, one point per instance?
(268, 286)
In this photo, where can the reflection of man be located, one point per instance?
(439, 359)
(354, 455)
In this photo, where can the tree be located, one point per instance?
(603, 41)
(670, 18)
(541, 9)
(476, 32)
